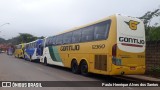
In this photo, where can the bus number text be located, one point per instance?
(100, 46)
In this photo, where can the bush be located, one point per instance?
(156, 69)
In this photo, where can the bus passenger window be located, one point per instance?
(88, 34)
(101, 30)
(59, 39)
(53, 41)
(67, 38)
(76, 36)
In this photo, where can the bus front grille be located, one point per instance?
(100, 62)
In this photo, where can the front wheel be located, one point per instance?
(84, 68)
(45, 62)
(24, 57)
(30, 58)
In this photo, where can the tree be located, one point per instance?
(25, 37)
(21, 38)
(2, 40)
(150, 31)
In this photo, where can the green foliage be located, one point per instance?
(148, 16)
(155, 69)
(25, 38)
(152, 33)
(2, 40)
(21, 38)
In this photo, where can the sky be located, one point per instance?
(50, 17)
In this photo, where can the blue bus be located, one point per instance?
(33, 50)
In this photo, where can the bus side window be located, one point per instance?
(101, 30)
(76, 37)
(67, 38)
(88, 34)
(53, 41)
(59, 40)
(47, 42)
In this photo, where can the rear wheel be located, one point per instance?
(84, 68)
(74, 67)
(30, 58)
(45, 61)
(24, 57)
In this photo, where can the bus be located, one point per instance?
(33, 50)
(111, 46)
(19, 51)
(10, 51)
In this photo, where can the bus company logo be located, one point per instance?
(6, 84)
(132, 24)
(70, 48)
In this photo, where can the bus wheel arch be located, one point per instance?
(74, 66)
(84, 67)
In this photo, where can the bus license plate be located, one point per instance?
(132, 68)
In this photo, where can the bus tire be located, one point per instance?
(45, 61)
(30, 58)
(74, 67)
(84, 68)
(24, 57)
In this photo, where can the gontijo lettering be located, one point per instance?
(131, 40)
(70, 48)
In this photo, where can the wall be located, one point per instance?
(152, 54)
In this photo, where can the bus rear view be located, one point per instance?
(128, 54)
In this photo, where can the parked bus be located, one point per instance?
(33, 50)
(19, 51)
(10, 51)
(111, 46)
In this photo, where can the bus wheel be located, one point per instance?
(45, 61)
(24, 57)
(30, 58)
(74, 67)
(84, 68)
